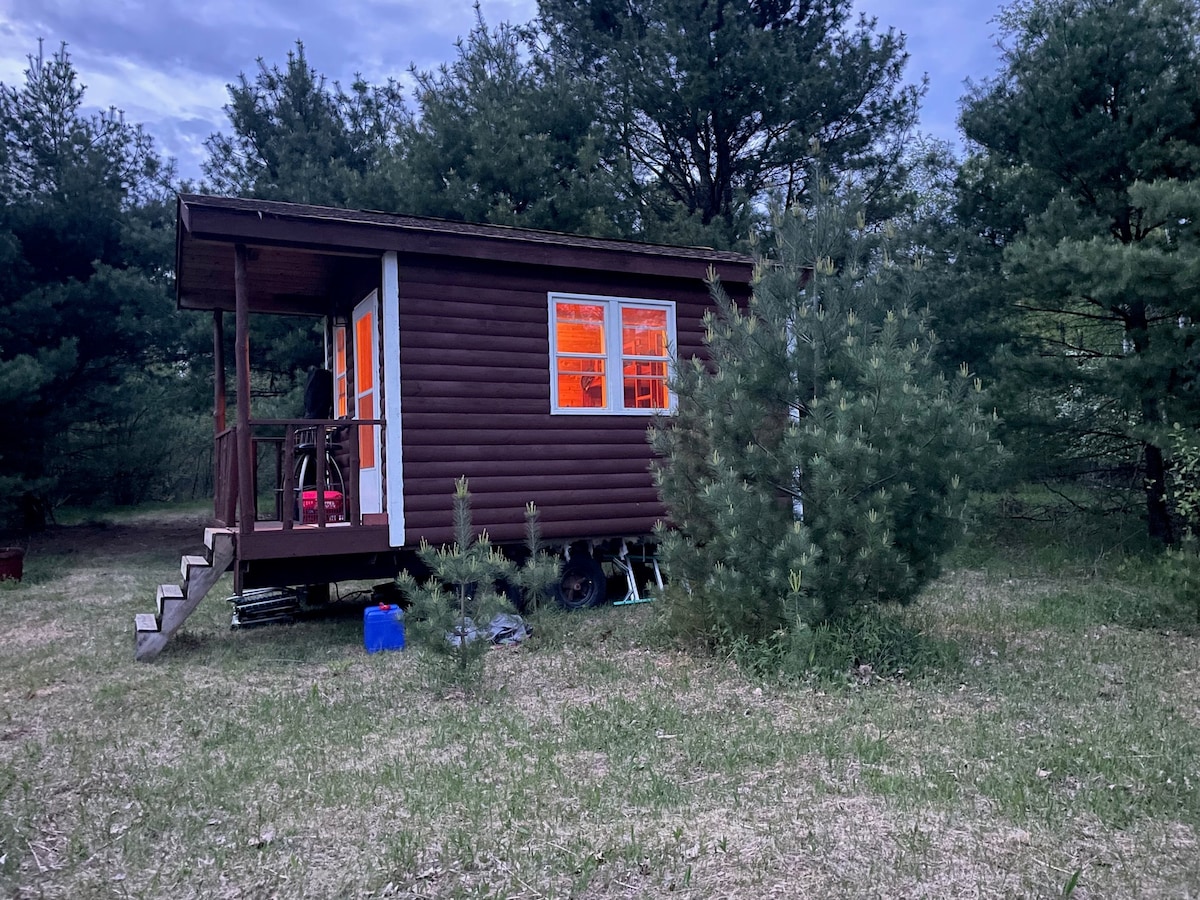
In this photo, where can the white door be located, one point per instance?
(365, 397)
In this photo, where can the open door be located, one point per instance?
(356, 393)
(366, 402)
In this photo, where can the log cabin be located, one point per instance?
(530, 362)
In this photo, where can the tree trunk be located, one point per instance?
(1158, 517)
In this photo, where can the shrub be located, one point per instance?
(1180, 566)
(819, 464)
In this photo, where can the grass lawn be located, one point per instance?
(1063, 755)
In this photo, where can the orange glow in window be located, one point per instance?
(644, 358)
(364, 334)
(366, 433)
(339, 370)
(645, 384)
(611, 354)
(364, 380)
(580, 328)
(644, 332)
(579, 341)
(581, 383)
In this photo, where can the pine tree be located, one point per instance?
(87, 328)
(539, 571)
(716, 104)
(818, 463)
(1086, 150)
(505, 136)
(451, 610)
(297, 138)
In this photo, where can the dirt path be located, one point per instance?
(171, 532)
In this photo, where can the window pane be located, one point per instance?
(579, 328)
(366, 433)
(581, 383)
(643, 332)
(580, 366)
(581, 312)
(645, 385)
(339, 369)
(364, 370)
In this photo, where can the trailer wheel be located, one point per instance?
(582, 584)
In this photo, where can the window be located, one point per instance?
(354, 394)
(610, 354)
(364, 382)
(339, 371)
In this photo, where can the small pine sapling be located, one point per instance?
(540, 572)
(451, 610)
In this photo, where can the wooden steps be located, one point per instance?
(187, 563)
(175, 602)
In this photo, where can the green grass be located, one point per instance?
(594, 762)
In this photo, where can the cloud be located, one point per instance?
(167, 62)
(153, 34)
(156, 93)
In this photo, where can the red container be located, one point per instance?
(12, 563)
(335, 507)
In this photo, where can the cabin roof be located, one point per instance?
(313, 259)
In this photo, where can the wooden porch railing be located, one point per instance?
(278, 498)
(225, 483)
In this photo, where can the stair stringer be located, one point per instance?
(199, 575)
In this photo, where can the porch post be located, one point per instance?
(245, 447)
(221, 500)
(218, 371)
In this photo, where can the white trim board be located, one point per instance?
(390, 284)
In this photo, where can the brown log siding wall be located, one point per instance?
(474, 350)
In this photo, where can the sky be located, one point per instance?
(166, 63)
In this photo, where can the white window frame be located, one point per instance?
(613, 357)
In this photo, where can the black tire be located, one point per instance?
(583, 583)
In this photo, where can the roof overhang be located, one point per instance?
(317, 260)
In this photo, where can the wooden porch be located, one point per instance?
(301, 499)
(290, 488)
(290, 506)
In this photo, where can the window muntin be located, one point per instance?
(610, 354)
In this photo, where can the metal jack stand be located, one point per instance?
(624, 562)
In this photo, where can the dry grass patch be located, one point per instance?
(286, 762)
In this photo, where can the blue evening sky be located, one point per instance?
(166, 63)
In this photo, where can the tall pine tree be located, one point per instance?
(295, 137)
(1085, 147)
(503, 135)
(717, 104)
(85, 307)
